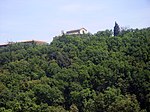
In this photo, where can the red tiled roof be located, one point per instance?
(30, 41)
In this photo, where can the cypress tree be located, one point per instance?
(116, 29)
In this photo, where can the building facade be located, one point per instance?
(78, 31)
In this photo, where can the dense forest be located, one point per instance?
(78, 73)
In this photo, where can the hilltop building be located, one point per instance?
(30, 42)
(78, 31)
(33, 42)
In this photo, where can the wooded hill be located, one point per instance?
(85, 73)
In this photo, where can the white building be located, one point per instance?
(78, 31)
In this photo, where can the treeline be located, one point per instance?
(78, 73)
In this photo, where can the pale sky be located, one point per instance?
(43, 19)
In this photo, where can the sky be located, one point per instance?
(22, 20)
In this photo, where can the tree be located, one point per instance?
(78, 73)
(113, 101)
(116, 29)
(107, 33)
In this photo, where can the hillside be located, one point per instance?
(85, 73)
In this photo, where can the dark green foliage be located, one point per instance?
(106, 33)
(78, 73)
